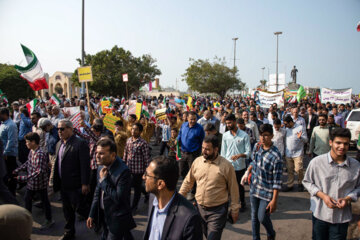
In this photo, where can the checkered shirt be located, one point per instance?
(92, 140)
(266, 172)
(137, 155)
(37, 169)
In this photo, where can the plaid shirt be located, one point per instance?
(92, 140)
(137, 155)
(266, 172)
(37, 170)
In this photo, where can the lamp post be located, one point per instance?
(277, 59)
(263, 68)
(82, 42)
(234, 39)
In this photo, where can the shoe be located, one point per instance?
(243, 207)
(190, 197)
(300, 188)
(47, 224)
(271, 237)
(287, 189)
(67, 236)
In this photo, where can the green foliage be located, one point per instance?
(109, 65)
(216, 77)
(13, 86)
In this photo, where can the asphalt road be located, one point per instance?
(292, 220)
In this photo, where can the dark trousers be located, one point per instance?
(23, 151)
(327, 231)
(6, 197)
(260, 215)
(11, 165)
(71, 201)
(138, 189)
(163, 146)
(213, 220)
(107, 235)
(29, 194)
(185, 164)
(239, 175)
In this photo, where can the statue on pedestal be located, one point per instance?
(293, 74)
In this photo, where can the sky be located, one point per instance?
(319, 37)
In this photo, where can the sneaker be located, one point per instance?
(47, 224)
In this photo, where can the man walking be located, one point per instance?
(216, 181)
(114, 179)
(319, 141)
(333, 181)
(71, 173)
(172, 216)
(235, 148)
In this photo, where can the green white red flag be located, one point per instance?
(55, 100)
(178, 152)
(31, 105)
(33, 72)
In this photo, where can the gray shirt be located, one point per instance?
(337, 181)
(294, 146)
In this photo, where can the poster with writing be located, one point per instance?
(338, 96)
(109, 122)
(266, 99)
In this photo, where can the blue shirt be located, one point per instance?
(52, 138)
(191, 138)
(158, 219)
(25, 126)
(266, 172)
(9, 137)
(233, 145)
(294, 146)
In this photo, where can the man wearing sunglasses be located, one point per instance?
(71, 173)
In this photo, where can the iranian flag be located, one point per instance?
(31, 105)
(145, 110)
(4, 98)
(178, 152)
(55, 100)
(358, 27)
(33, 72)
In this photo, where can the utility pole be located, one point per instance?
(82, 42)
(263, 68)
(277, 59)
(234, 39)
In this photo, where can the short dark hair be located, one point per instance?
(166, 169)
(288, 119)
(25, 112)
(174, 129)
(132, 116)
(98, 127)
(266, 128)
(209, 127)
(230, 117)
(119, 123)
(277, 122)
(253, 114)
(32, 136)
(240, 121)
(212, 139)
(38, 115)
(5, 111)
(107, 142)
(140, 126)
(340, 132)
(192, 113)
(273, 113)
(323, 115)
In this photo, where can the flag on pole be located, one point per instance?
(145, 110)
(33, 72)
(300, 93)
(31, 105)
(150, 86)
(4, 98)
(178, 152)
(358, 27)
(76, 120)
(55, 100)
(317, 100)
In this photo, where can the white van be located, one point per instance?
(352, 122)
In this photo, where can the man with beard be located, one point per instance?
(216, 181)
(319, 141)
(172, 216)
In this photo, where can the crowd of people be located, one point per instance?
(215, 146)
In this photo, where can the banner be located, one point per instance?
(69, 111)
(109, 122)
(105, 107)
(160, 114)
(266, 99)
(338, 96)
(138, 110)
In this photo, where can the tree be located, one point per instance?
(12, 85)
(109, 65)
(216, 77)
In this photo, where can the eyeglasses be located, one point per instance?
(147, 175)
(61, 129)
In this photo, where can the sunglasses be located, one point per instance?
(61, 129)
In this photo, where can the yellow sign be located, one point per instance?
(138, 110)
(189, 103)
(109, 122)
(105, 107)
(85, 74)
(160, 114)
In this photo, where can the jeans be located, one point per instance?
(259, 215)
(163, 146)
(328, 231)
(29, 194)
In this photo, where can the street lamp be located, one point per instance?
(263, 68)
(82, 42)
(277, 59)
(234, 39)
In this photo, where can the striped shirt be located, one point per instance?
(137, 155)
(266, 172)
